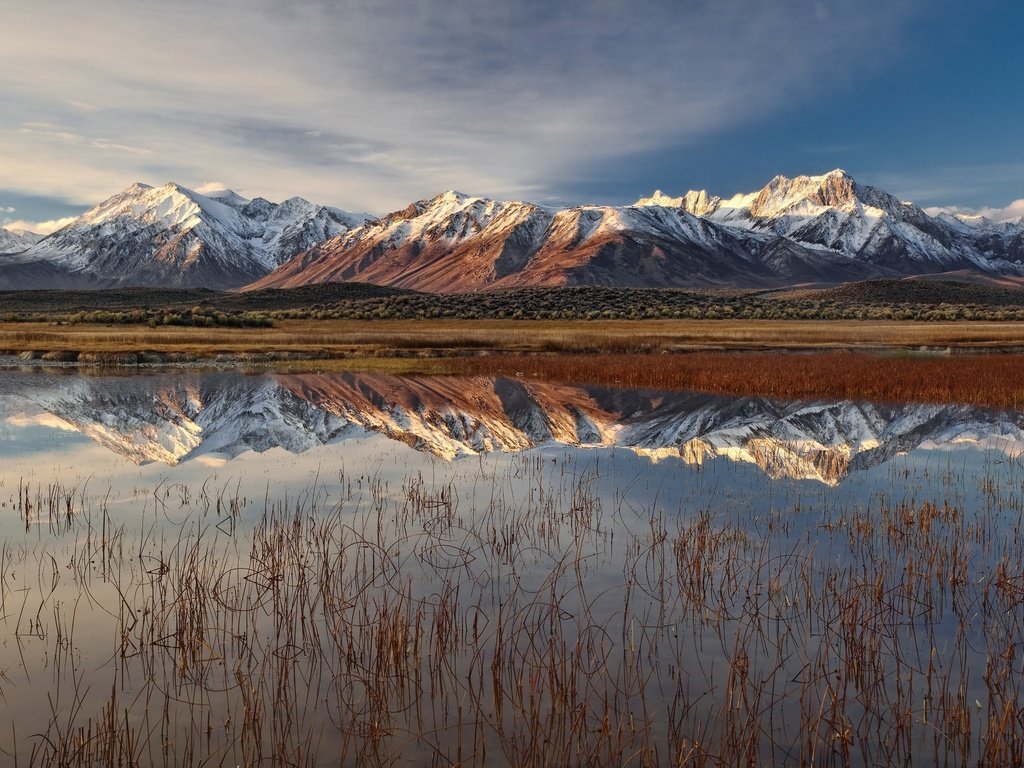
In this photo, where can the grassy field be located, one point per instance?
(881, 300)
(856, 360)
(987, 380)
(351, 337)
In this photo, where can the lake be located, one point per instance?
(215, 568)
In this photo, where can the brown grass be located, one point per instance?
(439, 626)
(353, 336)
(993, 379)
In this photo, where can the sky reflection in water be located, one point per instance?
(521, 494)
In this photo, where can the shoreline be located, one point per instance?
(291, 340)
(870, 376)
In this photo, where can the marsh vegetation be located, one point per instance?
(552, 607)
(878, 300)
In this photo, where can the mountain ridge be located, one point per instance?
(818, 229)
(17, 240)
(173, 236)
(826, 229)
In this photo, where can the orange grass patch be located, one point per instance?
(984, 379)
(599, 337)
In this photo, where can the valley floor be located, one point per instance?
(438, 338)
(886, 361)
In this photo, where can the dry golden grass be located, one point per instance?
(564, 616)
(353, 336)
(624, 353)
(984, 379)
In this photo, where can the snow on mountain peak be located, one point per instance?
(821, 228)
(228, 197)
(659, 198)
(782, 196)
(173, 235)
(803, 194)
(452, 197)
(17, 240)
(695, 202)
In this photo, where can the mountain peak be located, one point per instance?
(173, 186)
(452, 197)
(695, 202)
(228, 197)
(16, 240)
(172, 235)
(799, 195)
(661, 199)
(837, 172)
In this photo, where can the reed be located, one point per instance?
(532, 616)
(992, 380)
(432, 336)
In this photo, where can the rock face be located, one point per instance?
(175, 418)
(808, 229)
(17, 240)
(173, 236)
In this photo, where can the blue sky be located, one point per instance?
(368, 104)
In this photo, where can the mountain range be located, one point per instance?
(173, 418)
(810, 229)
(173, 236)
(15, 240)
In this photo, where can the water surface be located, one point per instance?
(220, 568)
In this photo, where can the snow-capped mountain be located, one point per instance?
(836, 213)
(173, 236)
(17, 240)
(452, 242)
(174, 418)
(455, 242)
(809, 229)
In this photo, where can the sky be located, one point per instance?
(370, 104)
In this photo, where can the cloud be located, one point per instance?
(211, 186)
(8, 209)
(368, 104)
(41, 420)
(957, 189)
(1014, 210)
(113, 145)
(39, 227)
(49, 131)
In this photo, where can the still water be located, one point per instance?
(225, 569)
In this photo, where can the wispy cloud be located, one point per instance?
(945, 187)
(371, 103)
(39, 227)
(1014, 210)
(41, 420)
(49, 131)
(210, 186)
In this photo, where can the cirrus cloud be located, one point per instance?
(1014, 210)
(368, 104)
(39, 227)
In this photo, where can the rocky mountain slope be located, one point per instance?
(16, 240)
(825, 229)
(174, 418)
(809, 229)
(173, 236)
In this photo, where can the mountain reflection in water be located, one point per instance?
(176, 417)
